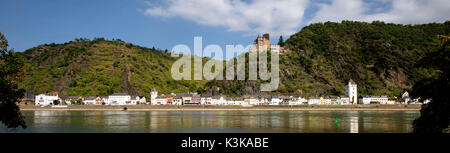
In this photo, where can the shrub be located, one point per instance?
(116, 64)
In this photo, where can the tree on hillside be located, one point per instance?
(281, 41)
(434, 116)
(56, 102)
(11, 71)
(79, 101)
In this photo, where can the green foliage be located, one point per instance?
(79, 101)
(380, 57)
(11, 71)
(281, 41)
(99, 68)
(435, 116)
(116, 64)
(56, 102)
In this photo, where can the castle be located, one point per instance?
(263, 44)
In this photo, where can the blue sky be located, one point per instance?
(164, 24)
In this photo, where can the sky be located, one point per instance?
(166, 23)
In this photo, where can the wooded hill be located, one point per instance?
(101, 67)
(380, 57)
(320, 59)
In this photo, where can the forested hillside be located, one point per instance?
(101, 67)
(380, 57)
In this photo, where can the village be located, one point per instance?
(260, 44)
(123, 99)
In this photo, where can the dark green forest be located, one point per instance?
(380, 57)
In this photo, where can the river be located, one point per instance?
(217, 121)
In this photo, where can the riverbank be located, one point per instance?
(231, 108)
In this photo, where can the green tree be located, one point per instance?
(79, 101)
(434, 116)
(281, 41)
(11, 72)
(56, 102)
(116, 64)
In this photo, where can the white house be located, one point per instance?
(351, 90)
(405, 97)
(186, 98)
(46, 99)
(365, 99)
(285, 100)
(177, 100)
(327, 100)
(202, 100)
(303, 101)
(275, 100)
(344, 100)
(90, 100)
(391, 101)
(229, 101)
(160, 100)
(104, 99)
(215, 100)
(260, 100)
(251, 100)
(142, 100)
(238, 101)
(313, 101)
(119, 99)
(297, 100)
(293, 100)
(69, 99)
(206, 100)
(219, 100)
(138, 100)
(426, 101)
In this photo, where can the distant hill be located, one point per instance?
(101, 67)
(380, 57)
(321, 58)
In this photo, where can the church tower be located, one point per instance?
(153, 95)
(351, 90)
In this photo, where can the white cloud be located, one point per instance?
(287, 16)
(400, 11)
(258, 16)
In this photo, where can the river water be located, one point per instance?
(217, 121)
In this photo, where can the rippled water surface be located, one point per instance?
(218, 121)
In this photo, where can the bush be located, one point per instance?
(116, 64)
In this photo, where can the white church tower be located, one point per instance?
(351, 90)
(153, 95)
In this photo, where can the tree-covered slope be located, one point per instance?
(101, 67)
(381, 58)
(320, 59)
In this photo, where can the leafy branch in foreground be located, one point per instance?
(435, 116)
(11, 71)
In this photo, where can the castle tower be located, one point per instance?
(351, 90)
(266, 40)
(153, 95)
(261, 43)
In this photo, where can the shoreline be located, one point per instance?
(228, 108)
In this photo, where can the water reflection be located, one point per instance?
(219, 121)
(354, 124)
